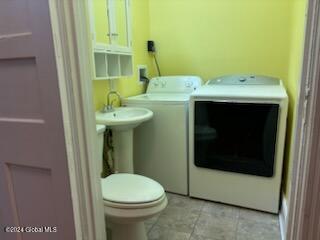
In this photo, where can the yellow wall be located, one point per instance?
(293, 80)
(213, 37)
(140, 35)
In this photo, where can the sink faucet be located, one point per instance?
(109, 106)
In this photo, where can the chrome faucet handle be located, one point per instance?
(104, 108)
(110, 107)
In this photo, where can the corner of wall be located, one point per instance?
(292, 83)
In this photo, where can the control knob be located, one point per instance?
(155, 83)
(188, 84)
(163, 83)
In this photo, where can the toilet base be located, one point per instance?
(132, 231)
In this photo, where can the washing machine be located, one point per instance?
(237, 132)
(161, 144)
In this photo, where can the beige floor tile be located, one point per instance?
(221, 228)
(162, 233)
(176, 200)
(192, 219)
(254, 230)
(220, 210)
(216, 237)
(258, 216)
(178, 218)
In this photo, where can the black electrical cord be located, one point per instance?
(146, 80)
(158, 68)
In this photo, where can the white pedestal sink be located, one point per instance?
(122, 121)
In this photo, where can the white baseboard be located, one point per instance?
(283, 218)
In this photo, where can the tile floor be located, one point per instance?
(192, 219)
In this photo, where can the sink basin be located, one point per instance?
(124, 118)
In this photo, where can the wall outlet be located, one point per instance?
(142, 73)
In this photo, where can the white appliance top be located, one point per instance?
(169, 89)
(242, 87)
(130, 189)
(158, 97)
(174, 84)
(244, 80)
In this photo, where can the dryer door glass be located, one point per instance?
(236, 137)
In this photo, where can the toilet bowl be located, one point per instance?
(129, 199)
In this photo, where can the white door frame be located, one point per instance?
(71, 32)
(306, 170)
(72, 48)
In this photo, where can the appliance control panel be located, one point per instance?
(174, 84)
(244, 80)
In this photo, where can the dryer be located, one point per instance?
(236, 141)
(161, 144)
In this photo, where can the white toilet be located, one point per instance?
(129, 199)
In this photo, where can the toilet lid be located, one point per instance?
(130, 188)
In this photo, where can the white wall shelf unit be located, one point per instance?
(110, 23)
(110, 65)
(126, 65)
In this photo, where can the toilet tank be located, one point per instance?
(99, 146)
